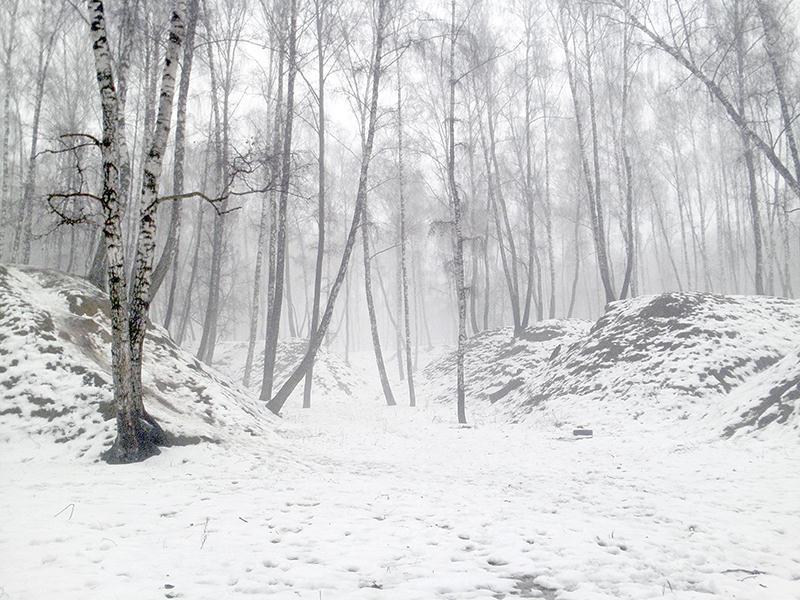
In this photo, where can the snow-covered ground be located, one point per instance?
(352, 499)
(366, 501)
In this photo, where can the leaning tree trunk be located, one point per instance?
(274, 318)
(373, 321)
(277, 402)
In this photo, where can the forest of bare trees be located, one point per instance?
(389, 175)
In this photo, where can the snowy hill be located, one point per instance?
(55, 378)
(662, 360)
(333, 377)
(497, 365)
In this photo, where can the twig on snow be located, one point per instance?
(71, 507)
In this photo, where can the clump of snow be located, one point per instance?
(663, 360)
(55, 373)
(497, 365)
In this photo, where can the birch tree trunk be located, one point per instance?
(148, 205)
(458, 245)
(169, 255)
(97, 271)
(630, 238)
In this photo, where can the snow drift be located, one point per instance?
(497, 365)
(676, 357)
(55, 376)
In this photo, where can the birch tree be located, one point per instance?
(138, 434)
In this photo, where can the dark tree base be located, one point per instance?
(142, 445)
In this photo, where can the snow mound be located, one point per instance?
(767, 400)
(497, 365)
(664, 359)
(332, 377)
(55, 372)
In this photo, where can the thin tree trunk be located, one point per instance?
(501, 203)
(458, 246)
(749, 160)
(591, 179)
(576, 276)
(277, 402)
(319, 14)
(548, 213)
(274, 316)
(23, 234)
(5, 141)
(221, 116)
(373, 321)
(597, 216)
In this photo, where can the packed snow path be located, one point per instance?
(396, 504)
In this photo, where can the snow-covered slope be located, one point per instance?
(497, 365)
(55, 377)
(663, 360)
(769, 403)
(333, 377)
